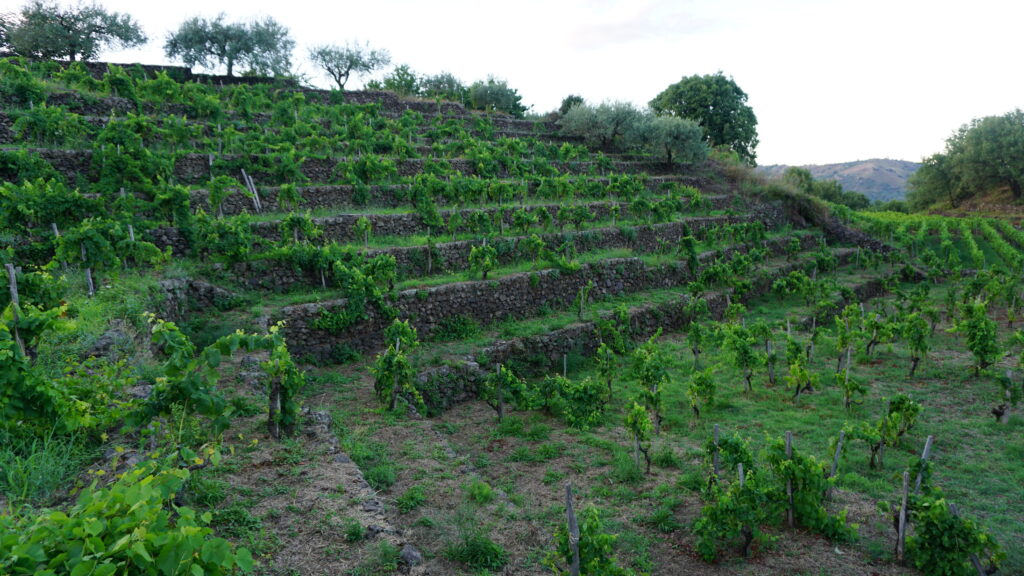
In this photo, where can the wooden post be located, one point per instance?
(88, 274)
(839, 450)
(715, 457)
(574, 532)
(565, 365)
(500, 392)
(901, 529)
(251, 185)
(739, 470)
(274, 408)
(12, 280)
(789, 482)
(394, 379)
(56, 234)
(924, 459)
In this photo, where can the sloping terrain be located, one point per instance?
(459, 314)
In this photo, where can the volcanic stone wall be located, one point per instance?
(515, 296)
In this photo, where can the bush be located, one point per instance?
(480, 492)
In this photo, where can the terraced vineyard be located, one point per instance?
(353, 334)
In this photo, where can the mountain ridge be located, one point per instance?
(880, 179)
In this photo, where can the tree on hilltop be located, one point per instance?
(445, 86)
(985, 154)
(340, 62)
(720, 107)
(264, 47)
(46, 30)
(494, 94)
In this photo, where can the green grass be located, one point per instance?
(33, 470)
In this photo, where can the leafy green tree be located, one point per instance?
(672, 138)
(262, 46)
(497, 95)
(47, 30)
(985, 154)
(718, 104)
(444, 86)
(568, 103)
(341, 62)
(401, 80)
(607, 125)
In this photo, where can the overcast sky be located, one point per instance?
(829, 80)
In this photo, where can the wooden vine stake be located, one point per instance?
(835, 459)
(56, 234)
(565, 365)
(924, 460)
(574, 531)
(901, 530)
(274, 408)
(789, 481)
(12, 280)
(500, 392)
(715, 457)
(88, 274)
(251, 186)
(394, 379)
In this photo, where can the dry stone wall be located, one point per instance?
(444, 386)
(515, 296)
(446, 257)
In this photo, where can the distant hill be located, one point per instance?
(880, 179)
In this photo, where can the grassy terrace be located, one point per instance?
(358, 482)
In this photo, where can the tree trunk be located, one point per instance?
(1015, 187)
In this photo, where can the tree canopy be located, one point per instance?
(47, 30)
(494, 94)
(263, 46)
(830, 190)
(986, 154)
(340, 62)
(622, 126)
(720, 107)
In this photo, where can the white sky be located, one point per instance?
(829, 80)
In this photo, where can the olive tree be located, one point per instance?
(262, 46)
(341, 62)
(48, 30)
(672, 138)
(607, 125)
(496, 95)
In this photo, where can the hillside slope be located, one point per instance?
(880, 179)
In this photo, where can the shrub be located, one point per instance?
(480, 492)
